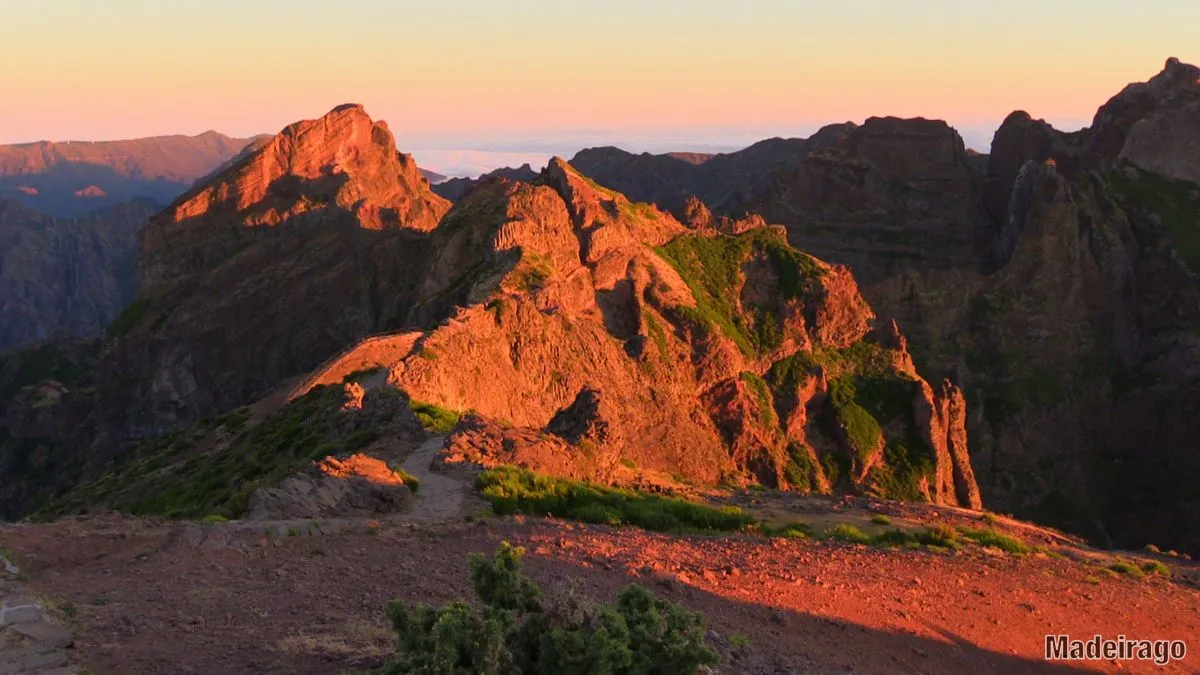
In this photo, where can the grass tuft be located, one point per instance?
(434, 418)
(511, 490)
(1126, 569)
(847, 533)
(994, 539)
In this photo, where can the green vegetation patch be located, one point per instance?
(1156, 567)
(847, 533)
(657, 334)
(994, 539)
(792, 530)
(762, 399)
(519, 630)
(799, 470)
(1127, 569)
(712, 269)
(1177, 202)
(531, 273)
(171, 476)
(859, 426)
(435, 418)
(512, 490)
(128, 319)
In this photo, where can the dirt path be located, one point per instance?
(31, 641)
(440, 497)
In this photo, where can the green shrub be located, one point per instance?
(519, 631)
(895, 538)
(739, 642)
(512, 490)
(861, 430)
(1122, 567)
(847, 533)
(793, 530)
(1156, 567)
(799, 470)
(939, 536)
(410, 480)
(880, 519)
(994, 539)
(434, 418)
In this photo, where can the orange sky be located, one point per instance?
(470, 74)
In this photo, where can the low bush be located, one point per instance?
(995, 539)
(895, 538)
(434, 418)
(410, 480)
(1155, 567)
(519, 631)
(1129, 570)
(794, 530)
(939, 536)
(847, 533)
(513, 490)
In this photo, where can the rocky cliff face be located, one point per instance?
(304, 245)
(594, 333)
(65, 277)
(74, 178)
(1056, 287)
(587, 331)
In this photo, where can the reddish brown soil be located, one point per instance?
(153, 597)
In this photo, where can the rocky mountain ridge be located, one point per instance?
(621, 336)
(1055, 284)
(75, 177)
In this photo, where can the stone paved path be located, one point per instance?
(30, 641)
(439, 497)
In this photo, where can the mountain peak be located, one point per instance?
(341, 167)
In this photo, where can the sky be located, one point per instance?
(471, 84)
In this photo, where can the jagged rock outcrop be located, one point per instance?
(342, 169)
(618, 335)
(455, 189)
(303, 246)
(357, 486)
(62, 278)
(75, 178)
(1159, 122)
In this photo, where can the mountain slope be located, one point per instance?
(302, 246)
(65, 277)
(621, 338)
(72, 178)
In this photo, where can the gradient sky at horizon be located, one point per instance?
(532, 76)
